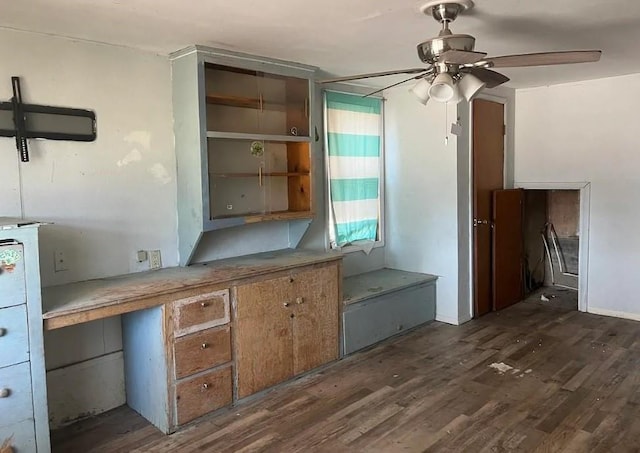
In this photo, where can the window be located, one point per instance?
(354, 143)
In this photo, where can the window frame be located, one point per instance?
(351, 248)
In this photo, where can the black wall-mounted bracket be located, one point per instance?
(25, 121)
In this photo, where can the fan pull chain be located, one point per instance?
(446, 121)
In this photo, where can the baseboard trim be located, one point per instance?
(465, 319)
(614, 314)
(447, 319)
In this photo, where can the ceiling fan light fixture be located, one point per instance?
(442, 89)
(469, 86)
(421, 91)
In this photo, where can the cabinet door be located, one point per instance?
(316, 323)
(254, 102)
(264, 337)
(237, 177)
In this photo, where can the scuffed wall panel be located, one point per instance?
(85, 389)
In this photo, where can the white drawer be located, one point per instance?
(22, 435)
(12, 282)
(15, 395)
(14, 338)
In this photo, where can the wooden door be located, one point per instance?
(508, 248)
(263, 335)
(316, 323)
(488, 175)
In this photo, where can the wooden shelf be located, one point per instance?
(259, 137)
(243, 102)
(249, 175)
(278, 215)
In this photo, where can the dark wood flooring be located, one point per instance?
(570, 382)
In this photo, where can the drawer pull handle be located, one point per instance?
(205, 386)
(205, 345)
(3, 331)
(299, 300)
(204, 304)
(286, 304)
(4, 393)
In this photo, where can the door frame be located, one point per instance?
(583, 248)
(507, 136)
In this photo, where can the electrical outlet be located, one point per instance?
(155, 261)
(59, 261)
(141, 255)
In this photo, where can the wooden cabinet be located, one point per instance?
(286, 326)
(185, 347)
(24, 424)
(258, 144)
(243, 130)
(220, 331)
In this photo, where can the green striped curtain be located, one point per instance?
(353, 128)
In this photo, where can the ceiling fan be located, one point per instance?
(455, 71)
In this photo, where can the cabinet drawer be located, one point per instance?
(200, 351)
(202, 394)
(15, 394)
(22, 436)
(12, 282)
(14, 340)
(201, 312)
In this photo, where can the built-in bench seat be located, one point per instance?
(383, 303)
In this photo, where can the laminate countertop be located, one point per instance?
(89, 300)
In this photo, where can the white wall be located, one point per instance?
(587, 132)
(106, 199)
(421, 194)
(428, 188)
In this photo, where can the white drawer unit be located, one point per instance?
(13, 290)
(16, 407)
(14, 337)
(15, 395)
(24, 424)
(22, 436)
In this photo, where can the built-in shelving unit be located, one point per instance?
(243, 144)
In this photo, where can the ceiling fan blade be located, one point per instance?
(373, 74)
(419, 76)
(491, 78)
(545, 58)
(461, 57)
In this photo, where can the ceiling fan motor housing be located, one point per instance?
(429, 50)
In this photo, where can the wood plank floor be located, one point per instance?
(574, 386)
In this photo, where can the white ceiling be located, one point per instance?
(349, 36)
